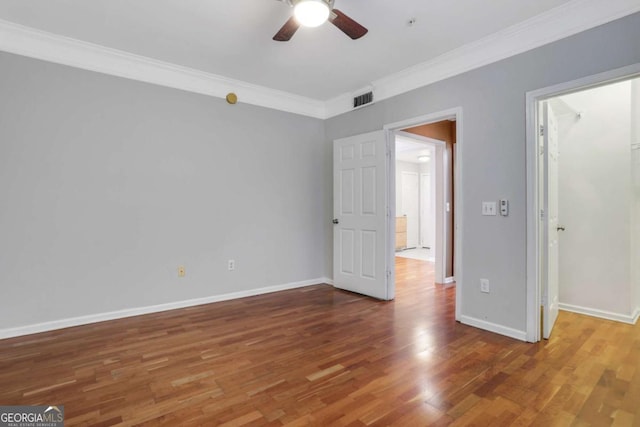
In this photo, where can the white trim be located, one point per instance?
(450, 114)
(112, 315)
(459, 210)
(449, 280)
(390, 194)
(600, 79)
(420, 138)
(391, 128)
(533, 296)
(602, 314)
(457, 213)
(563, 21)
(493, 327)
(532, 209)
(26, 41)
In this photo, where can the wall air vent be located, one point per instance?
(364, 99)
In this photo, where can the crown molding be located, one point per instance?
(563, 21)
(26, 41)
(555, 24)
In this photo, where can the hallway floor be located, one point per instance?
(423, 254)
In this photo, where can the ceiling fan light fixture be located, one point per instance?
(311, 13)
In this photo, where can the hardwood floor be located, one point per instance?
(319, 356)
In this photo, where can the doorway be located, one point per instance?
(424, 198)
(583, 143)
(416, 184)
(364, 210)
(425, 153)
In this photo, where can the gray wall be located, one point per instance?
(107, 185)
(493, 102)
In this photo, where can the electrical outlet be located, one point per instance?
(181, 271)
(484, 285)
(231, 265)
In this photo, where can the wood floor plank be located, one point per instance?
(324, 357)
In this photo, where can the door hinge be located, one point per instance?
(541, 214)
(541, 130)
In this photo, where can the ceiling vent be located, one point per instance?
(362, 100)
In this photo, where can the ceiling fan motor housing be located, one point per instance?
(294, 2)
(310, 16)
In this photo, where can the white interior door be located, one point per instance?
(426, 219)
(550, 221)
(410, 206)
(360, 214)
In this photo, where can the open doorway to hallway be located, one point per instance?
(415, 198)
(424, 184)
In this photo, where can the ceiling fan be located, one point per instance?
(312, 13)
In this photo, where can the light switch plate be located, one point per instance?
(489, 208)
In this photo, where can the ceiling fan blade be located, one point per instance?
(287, 31)
(348, 25)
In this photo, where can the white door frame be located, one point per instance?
(391, 129)
(534, 247)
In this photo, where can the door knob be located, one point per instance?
(559, 228)
(335, 221)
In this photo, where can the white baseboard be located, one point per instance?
(327, 281)
(493, 327)
(112, 315)
(624, 318)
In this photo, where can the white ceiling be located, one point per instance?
(232, 38)
(408, 150)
